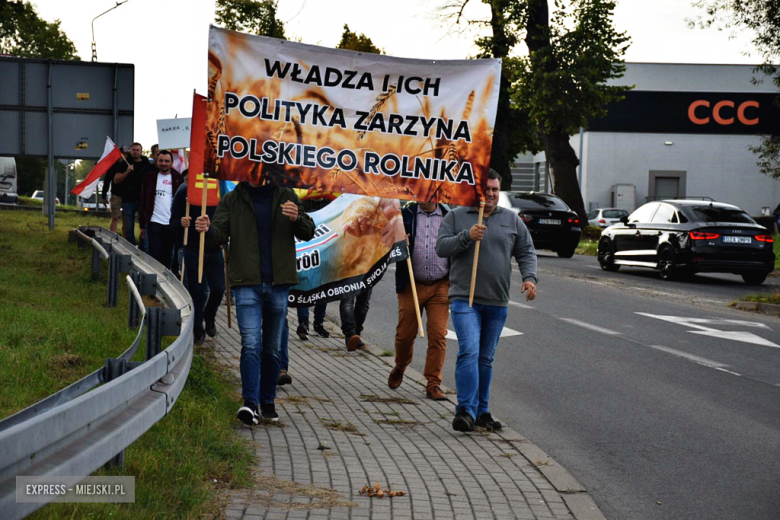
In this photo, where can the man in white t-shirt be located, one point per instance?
(157, 191)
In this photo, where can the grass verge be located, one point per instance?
(56, 329)
(773, 297)
(776, 248)
(589, 241)
(29, 201)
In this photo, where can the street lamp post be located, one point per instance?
(94, 44)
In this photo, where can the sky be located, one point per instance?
(167, 40)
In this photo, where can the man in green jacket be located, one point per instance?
(262, 222)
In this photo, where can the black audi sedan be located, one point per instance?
(684, 237)
(550, 221)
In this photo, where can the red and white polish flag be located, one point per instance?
(111, 154)
(179, 160)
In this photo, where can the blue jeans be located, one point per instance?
(129, 209)
(261, 311)
(207, 295)
(478, 329)
(284, 355)
(319, 314)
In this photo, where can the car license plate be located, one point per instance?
(737, 240)
(550, 221)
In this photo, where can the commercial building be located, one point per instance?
(682, 131)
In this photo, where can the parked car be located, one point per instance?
(8, 181)
(553, 225)
(684, 237)
(38, 195)
(605, 217)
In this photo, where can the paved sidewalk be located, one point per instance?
(341, 428)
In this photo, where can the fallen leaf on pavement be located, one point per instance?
(376, 491)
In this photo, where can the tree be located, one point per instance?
(559, 87)
(252, 16)
(762, 19)
(23, 33)
(357, 42)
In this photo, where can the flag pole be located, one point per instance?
(186, 235)
(203, 234)
(414, 289)
(476, 257)
(227, 287)
(122, 155)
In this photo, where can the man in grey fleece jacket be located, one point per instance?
(502, 235)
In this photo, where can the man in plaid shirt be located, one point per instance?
(431, 274)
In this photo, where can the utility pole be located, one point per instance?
(94, 44)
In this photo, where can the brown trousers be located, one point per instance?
(433, 300)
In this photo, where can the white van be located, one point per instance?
(8, 181)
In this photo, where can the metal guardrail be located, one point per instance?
(90, 423)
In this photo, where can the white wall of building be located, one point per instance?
(717, 166)
(684, 77)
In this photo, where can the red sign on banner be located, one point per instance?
(197, 146)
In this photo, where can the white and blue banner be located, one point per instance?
(356, 237)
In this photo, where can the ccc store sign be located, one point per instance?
(701, 112)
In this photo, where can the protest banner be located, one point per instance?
(355, 239)
(197, 143)
(315, 195)
(173, 134)
(201, 190)
(340, 121)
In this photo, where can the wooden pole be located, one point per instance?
(124, 231)
(227, 288)
(203, 234)
(414, 289)
(476, 258)
(186, 235)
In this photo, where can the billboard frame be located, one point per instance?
(80, 100)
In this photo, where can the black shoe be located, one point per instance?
(284, 378)
(320, 329)
(200, 338)
(211, 329)
(486, 421)
(247, 414)
(463, 422)
(303, 331)
(268, 412)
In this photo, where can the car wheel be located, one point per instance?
(754, 278)
(667, 265)
(566, 252)
(606, 257)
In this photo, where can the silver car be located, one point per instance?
(605, 217)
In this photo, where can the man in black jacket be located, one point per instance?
(213, 282)
(109, 184)
(129, 182)
(431, 274)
